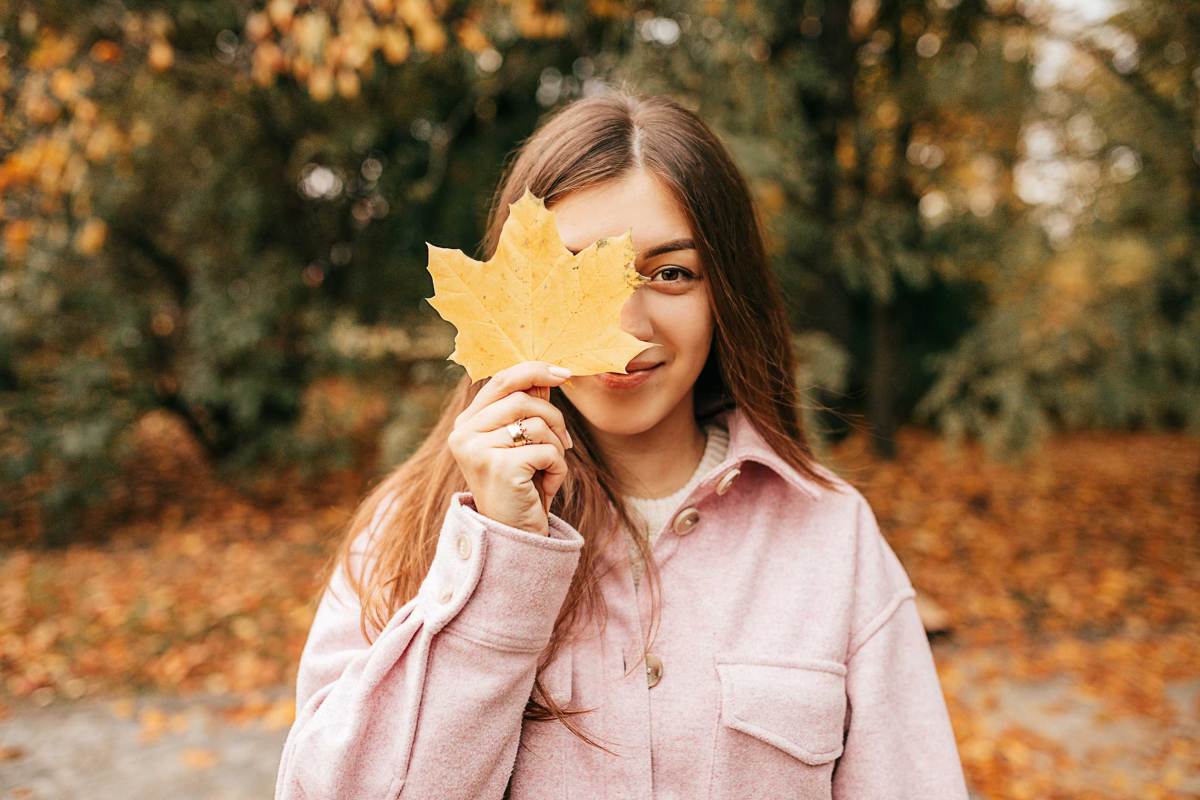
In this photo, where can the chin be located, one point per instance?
(622, 424)
(635, 416)
(617, 421)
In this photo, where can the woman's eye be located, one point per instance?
(679, 273)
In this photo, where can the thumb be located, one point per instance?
(551, 483)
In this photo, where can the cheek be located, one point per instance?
(691, 325)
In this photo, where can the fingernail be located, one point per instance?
(570, 441)
(561, 372)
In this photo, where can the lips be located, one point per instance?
(638, 367)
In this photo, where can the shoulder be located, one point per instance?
(842, 528)
(840, 507)
(881, 583)
(836, 503)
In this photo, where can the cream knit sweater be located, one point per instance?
(657, 511)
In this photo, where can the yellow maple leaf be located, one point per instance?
(536, 301)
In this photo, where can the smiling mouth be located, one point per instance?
(631, 370)
(630, 380)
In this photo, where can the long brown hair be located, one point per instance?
(750, 364)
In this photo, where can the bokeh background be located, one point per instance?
(213, 339)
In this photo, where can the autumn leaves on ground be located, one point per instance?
(1072, 668)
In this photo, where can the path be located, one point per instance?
(196, 749)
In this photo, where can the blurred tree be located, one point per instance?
(880, 138)
(181, 226)
(1103, 330)
(208, 206)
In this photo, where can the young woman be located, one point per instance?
(696, 609)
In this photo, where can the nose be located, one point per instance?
(635, 317)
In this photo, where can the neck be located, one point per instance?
(659, 460)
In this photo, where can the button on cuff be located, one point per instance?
(463, 546)
(506, 585)
(455, 571)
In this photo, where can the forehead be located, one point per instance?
(637, 202)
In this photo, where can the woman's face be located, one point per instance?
(672, 311)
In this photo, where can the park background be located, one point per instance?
(214, 339)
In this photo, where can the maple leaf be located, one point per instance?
(536, 301)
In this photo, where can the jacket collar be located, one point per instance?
(747, 444)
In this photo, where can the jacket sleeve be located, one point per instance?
(899, 742)
(433, 706)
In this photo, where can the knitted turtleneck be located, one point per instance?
(657, 510)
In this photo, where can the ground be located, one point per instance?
(214, 747)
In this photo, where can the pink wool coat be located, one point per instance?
(790, 662)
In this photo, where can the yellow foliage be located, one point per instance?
(472, 38)
(430, 37)
(268, 61)
(16, 239)
(771, 196)
(51, 51)
(607, 9)
(105, 51)
(395, 45)
(347, 83)
(141, 132)
(415, 12)
(320, 84)
(1129, 261)
(161, 55)
(90, 237)
(311, 31)
(64, 85)
(280, 13)
(258, 27)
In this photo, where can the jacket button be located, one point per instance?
(654, 669)
(727, 480)
(464, 546)
(447, 593)
(686, 520)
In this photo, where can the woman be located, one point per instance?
(625, 586)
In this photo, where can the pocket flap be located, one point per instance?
(796, 706)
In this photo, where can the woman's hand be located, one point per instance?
(504, 476)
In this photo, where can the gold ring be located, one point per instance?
(517, 431)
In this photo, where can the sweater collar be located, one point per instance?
(747, 444)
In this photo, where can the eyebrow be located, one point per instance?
(659, 249)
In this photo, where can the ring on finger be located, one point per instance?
(516, 430)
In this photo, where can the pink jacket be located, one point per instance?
(790, 662)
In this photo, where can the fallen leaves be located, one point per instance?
(1077, 572)
(198, 758)
(215, 600)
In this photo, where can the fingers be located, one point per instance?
(516, 406)
(536, 430)
(519, 377)
(553, 480)
(529, 459)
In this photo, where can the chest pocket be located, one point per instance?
(780, 729)
(539, 769)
